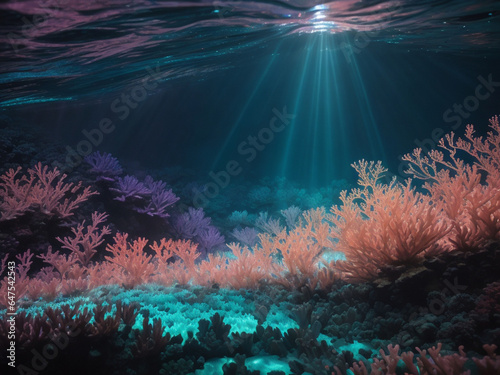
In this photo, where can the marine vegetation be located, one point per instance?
(400, 277)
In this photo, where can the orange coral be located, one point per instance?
(132, 259)
(186, 251)
(468, 194)
(249, 267)
(383, 224)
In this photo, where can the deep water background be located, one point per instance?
(356, 79)
(198, 122)
(221, 80)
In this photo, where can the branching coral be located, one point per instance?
(149, 197)
(248, 268)
(467, 193)
(435, 365)
(489, 364)
(383, 224)
(168, 270)
(85, 240)
(300, 251)
(377, 225)
(41, 190)
(24, 262)
(194, 225)
(135, 263)
(104, 165)
(151, 340)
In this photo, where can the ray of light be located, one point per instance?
(369, 122)
(292, 128)
(244, 111)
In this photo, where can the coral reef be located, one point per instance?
(417, 292)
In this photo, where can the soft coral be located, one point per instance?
(468, 193)
(380, 225)
(133, 261)
(40, 189)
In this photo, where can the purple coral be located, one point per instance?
(210, 239)
(104, 165)
(129, 187)
(247, 236)
(196, 226)
(189, 224)
(161, 199)
(149, 197)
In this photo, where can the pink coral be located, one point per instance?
(435, 365)
(467, 193)
(85, 240)
(247, 269)
(40, 190)
(442, 365)
(383, 224)
(22, 279)
(489, 364)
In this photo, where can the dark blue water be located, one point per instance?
(360, 79)
(244, 109)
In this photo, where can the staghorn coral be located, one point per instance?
(248, 268)
(489, 364)
(21, 279)
(181, 271)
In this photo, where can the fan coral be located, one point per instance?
(247, 236)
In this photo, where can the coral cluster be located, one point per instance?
(395, 238)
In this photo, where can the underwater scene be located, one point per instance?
(276, 187)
